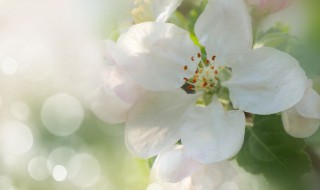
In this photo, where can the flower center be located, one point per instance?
(207, 78)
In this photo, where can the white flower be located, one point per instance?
(303, 119)
(154, 10)
(173, 170)
(161, 58)
(112, 100)
(294, 16)
(269, 5)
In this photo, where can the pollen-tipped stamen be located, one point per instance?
(206, 76)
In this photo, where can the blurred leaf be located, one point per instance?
(151, 161)
(270, 151)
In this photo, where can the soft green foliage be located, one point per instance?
(270, 151)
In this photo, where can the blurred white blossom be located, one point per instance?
(303, 119)
(269, 6)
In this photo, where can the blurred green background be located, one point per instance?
(41, 147)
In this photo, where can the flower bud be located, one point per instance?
(269, 6)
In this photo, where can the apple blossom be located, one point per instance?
(173, 170)
(154, 10)
(303, 119)
(268, 6)
(161, 58)
(294, 16)
(117, 90)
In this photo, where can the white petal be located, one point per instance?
(266, 81)
(155, 54)
(224, 28)
(185, 184)
(297, 125)
(173, 165)
(124, 86)
(213, 176)
(162, 9)
(117, 78)
(107, 106)
(110, 48)
(309, 106)
(154, 121)
(212, 135)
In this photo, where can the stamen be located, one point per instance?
(185, 67)
(190, 87)
(204, 84)
(205, 77)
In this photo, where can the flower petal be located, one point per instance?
(110, 48)
(124, 86)
(309, 106)
(162, 9)
(173, 165)
(297, 125)
(266, 81)
(155, 54)
(154, 121)
(212, 135)
(224, 28)
(214, 176)
(185, 184)
(107, 106)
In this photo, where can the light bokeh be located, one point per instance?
(52, 63)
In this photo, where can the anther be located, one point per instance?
(207, 61)
(199, 55)
(185, 67)
(204, 84)
(186, 79)
(190, 87)
(213, 58)
(215, 72)
(192, 58)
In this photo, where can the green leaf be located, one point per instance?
(270, 151)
